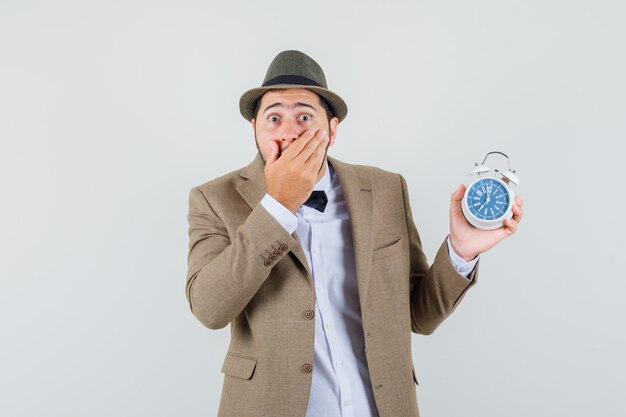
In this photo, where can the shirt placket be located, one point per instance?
(325, 310)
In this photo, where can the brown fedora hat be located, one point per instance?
(293, 69)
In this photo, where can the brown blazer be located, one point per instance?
(246, 270)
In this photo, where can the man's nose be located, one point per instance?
(290, 130)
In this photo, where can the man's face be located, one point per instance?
(284, 115)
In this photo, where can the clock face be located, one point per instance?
(487, 199)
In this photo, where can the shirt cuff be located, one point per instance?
(280, 213)
(463, 267)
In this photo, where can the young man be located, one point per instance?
(317, 264)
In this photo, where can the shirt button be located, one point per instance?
(328, 326)
(346, 403)
(339, 364)
(320, 289)
(307, 368)
(316, 250)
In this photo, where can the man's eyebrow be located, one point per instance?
(279, 104)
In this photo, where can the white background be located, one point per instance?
(110, 111)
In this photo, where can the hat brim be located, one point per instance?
(248, 100)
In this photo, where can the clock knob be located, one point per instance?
(479, 169)
(509, 175)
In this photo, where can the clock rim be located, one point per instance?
(488, 224)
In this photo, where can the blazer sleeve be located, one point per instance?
(224, 273)
(436, 290)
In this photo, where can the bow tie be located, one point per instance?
(317, 200)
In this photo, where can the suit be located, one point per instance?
(246, 270)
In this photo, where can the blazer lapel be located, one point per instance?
(254, 188)
(358, 193)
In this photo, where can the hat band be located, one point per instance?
(291, 79)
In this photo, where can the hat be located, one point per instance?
(293, 69)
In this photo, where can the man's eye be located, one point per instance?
(273, 118)
(305, 117)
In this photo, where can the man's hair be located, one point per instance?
(323, 103)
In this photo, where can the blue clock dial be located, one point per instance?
(487, 199)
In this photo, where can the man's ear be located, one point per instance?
(333, 130)
(253, 121)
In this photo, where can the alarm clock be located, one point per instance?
(488, 200)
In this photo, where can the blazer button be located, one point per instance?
(267, 262)
(277, 252)
(272, 257)
(307, 368)
(283, 247)
(309, 314)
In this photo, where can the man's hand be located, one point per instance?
(468, 241)
(290, 178)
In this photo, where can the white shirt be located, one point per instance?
(341, 383)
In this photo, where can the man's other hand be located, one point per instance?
(469, 241)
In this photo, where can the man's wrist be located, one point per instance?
(280, 213)
(460, 253)
(462, 266)
(291, 207)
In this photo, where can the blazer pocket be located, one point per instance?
(388, 250)
(239, 366)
